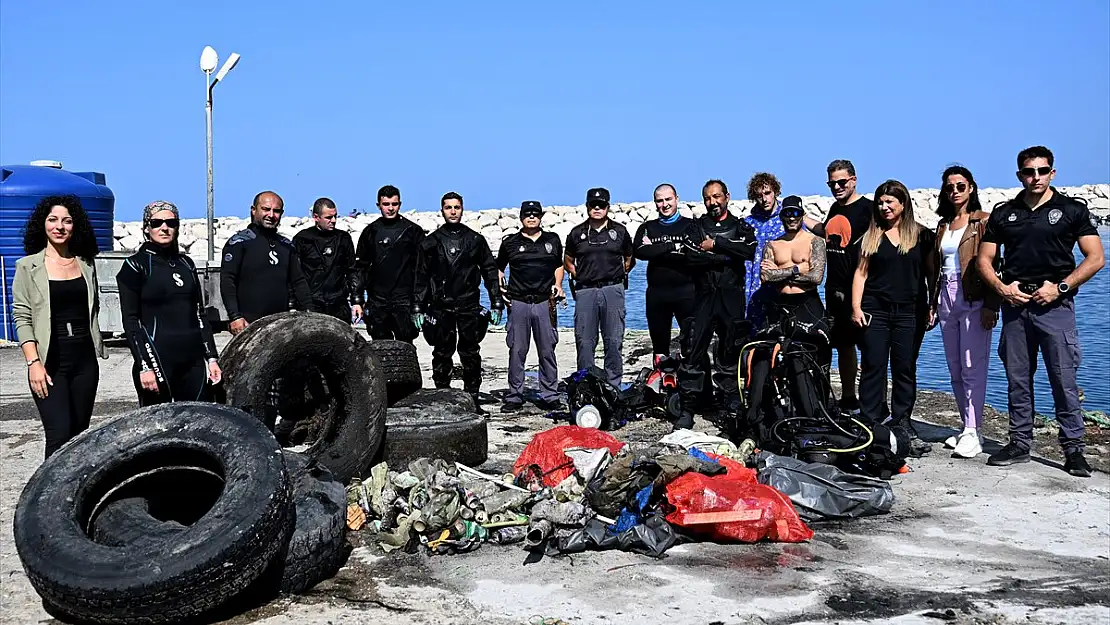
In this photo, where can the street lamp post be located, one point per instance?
(208, 61)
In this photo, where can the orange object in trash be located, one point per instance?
(356, 518)
(728, 516)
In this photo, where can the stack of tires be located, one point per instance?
(190, 510)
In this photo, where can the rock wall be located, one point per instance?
(494, 224)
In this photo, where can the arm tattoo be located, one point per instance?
(772, 275)
(816, 271)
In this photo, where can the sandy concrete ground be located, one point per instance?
(965, 543)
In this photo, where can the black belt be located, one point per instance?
(599, 284)
(530, 299)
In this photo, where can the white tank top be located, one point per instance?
(950, 251)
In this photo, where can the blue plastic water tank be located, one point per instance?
(21, 188)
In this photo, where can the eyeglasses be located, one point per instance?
(158, 223)
(1028, 172)
(843, 182)
(959, 187)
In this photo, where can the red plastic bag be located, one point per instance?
(545, 451)
(734, 507)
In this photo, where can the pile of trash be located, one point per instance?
(574, 489)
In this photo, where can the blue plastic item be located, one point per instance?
(21, 188)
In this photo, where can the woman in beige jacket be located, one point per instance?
(55, 308)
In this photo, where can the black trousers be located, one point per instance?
(890, 340)
(339, 309)
(68, 406)
(184, 381)
(390, 323)
(447, 331)
(664, 304)
(720, 313)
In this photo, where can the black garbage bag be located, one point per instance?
(652, 538)
(822, 491)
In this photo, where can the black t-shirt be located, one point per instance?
(599, 254)
(1038, 245)
(531, 264)
(894, 277)
(844, 229)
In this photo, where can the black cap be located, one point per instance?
(792, 204)
(597, 195)
(530, 207)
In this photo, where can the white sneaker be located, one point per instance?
(968, 445)
(950, 442)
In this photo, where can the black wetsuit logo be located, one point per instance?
(177, 280)
(273, 257)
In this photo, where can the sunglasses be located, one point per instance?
(158, 223)
(1028, 172)
(959, 187)
(843, 182)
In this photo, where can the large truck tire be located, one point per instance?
(304, 349)
(317, 548)
(400, 366)
(236, 524)
(457, 399)
(434, 431)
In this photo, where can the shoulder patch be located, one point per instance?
(242, 236)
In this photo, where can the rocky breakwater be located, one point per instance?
(494, 224)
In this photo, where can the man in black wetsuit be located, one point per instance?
(260, 272)
(385, 260)
(726, 243)
(455, 261)
(670, 280)
(327, 257)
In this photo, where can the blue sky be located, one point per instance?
(506, 101)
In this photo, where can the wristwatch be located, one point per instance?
(31, 362)
(794, 271)
(1063, 287)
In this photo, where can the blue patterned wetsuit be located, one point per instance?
(768, 227)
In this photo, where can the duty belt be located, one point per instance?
(599, 284)
(531, 299)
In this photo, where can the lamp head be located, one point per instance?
(208, 59)
(229, 64)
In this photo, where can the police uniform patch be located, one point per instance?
(1012, 217)
(521, 248)
(547, 246)
(1054, 216)
(612, 235)
(227, 258)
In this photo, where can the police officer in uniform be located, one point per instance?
(1037, 232)
(598, 259)
(327, 257)
(385, 260)
(455, 260)
(535, 262)
(260, 269)
(726, 244)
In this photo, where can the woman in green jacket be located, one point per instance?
(55, 306)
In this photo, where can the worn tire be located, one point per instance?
(351, 433)
(316, 550)
(434, 431)
(426, 397)
(400, 366)
(215, 560)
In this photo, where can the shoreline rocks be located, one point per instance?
(494, 224)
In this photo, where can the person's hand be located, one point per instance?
(237, 326)
(988, 318)
(931, 319)
(418, 320)
(768, 265)
(356, 313)
(707, 244)
(148, 381)
(557, 291)
(1013, 295)
(36, 376)
(215, 374)
(1047, 294)
(857, 317)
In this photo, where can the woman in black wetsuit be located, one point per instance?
(164, 318)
